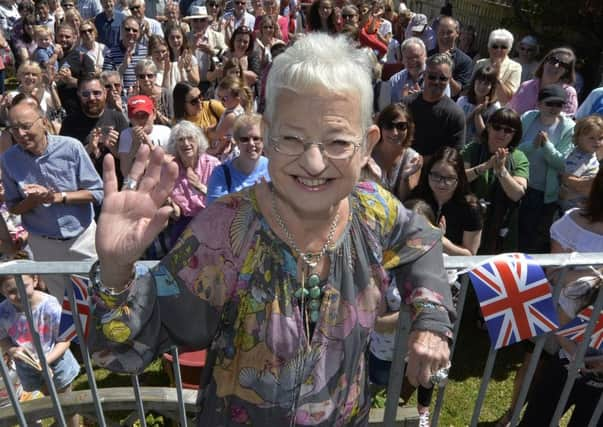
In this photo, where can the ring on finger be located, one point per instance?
(440, 375)
(130, 184)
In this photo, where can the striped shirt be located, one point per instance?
(115, 57)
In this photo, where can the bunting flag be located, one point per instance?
(575, 329)
(67, 331)
(515, 298)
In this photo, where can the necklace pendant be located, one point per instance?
(311, 260)
(301, 293)
(313, 280)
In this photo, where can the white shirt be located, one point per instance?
(159, 137)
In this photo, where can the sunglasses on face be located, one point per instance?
(399, 126)
(434, 77)
(554, 104)
(506, 129)
(113, 86)
(90, 93)
(557, 62)
(195, 101)
(146, 76)
(131, 30)
(348, 16)
(135, 7)
(240, 3)
(499, 46)
(87, 31)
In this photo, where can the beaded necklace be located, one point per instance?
(311, 295)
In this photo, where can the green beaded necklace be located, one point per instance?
(312, 294)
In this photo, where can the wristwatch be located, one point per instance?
(97, 283)
(63, 197)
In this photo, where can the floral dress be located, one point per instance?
(231, 281)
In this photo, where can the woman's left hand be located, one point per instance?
(428, 352)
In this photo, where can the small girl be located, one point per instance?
(46, 54)
(479, 101)
(15, 337)
(581, 166)
(237, 99)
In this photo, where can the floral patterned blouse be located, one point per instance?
(231, 281)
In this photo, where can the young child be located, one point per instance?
(15, 337)
(383, 337)
(46, 54)
(582, 165)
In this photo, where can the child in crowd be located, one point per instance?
(582, 165)
(382, 340)
(15, 337)
(46, 54)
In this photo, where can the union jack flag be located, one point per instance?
(67, 331)
(575, 329)
(515, 298)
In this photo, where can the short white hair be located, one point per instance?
(500, 34)
(413, 41)
(183, 129)
(321, 61)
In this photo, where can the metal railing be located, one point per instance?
(178, 403)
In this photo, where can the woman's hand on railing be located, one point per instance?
(133, 217)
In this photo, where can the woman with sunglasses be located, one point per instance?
(546, 141)
(498, 174)
(556, 68)
(394, 164)
(500, 43)
(88, 44)
(189, 105)
(188, 145)
(146, 73)
(249, 167)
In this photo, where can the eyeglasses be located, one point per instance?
(130, 30)
(399, 126)
(87, 31)
(556, 61)
(113, 86)
(249, 139)
(500, 46)
(195, 101)
(555, 104)
(434, 77)
(25, 127)
(448, 181)
(337, 149)
(90, 93)
(506, 129)
(146, 76)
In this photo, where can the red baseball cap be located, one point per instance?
(140, 103)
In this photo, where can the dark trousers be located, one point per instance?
(535, 220)
(545, 395)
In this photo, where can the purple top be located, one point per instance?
(526, 98)
(190, 200)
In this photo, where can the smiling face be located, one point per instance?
(312, 183)
(26, 126)
(499, 136)
(482, 87)
(241, 42)
(413, 58)
(393, 136)
(228, 99)
(443, 181)
(29, 78)
(9, 289)
(325, 9)
(498, 50)
(436, 81)
(192, 102)
(187, 148)
(93, 98)
(556, 67)
(159, 53)
(175, 40)
(250, 143)
(447, 33)
(591, 142)
(146, 81)
(66, 38)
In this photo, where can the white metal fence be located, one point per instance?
(179, 404)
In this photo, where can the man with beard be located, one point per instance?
(73, 65)
(438, 120)
(94, 125)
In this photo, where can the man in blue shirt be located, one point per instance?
(51, 182)
(108, 23)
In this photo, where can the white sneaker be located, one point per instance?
(424, 418)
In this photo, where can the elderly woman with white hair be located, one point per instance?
(500, 43)
(188, 144)
(282, 281)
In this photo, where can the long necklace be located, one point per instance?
(313, 292)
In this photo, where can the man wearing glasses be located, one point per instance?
(51, 182)
(439, 121)
(238, 17)
(148, 26)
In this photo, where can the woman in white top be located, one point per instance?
(184, 65)
(95, 50)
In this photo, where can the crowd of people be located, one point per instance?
(301, 169)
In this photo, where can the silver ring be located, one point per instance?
(438, 376)
(129, 184)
